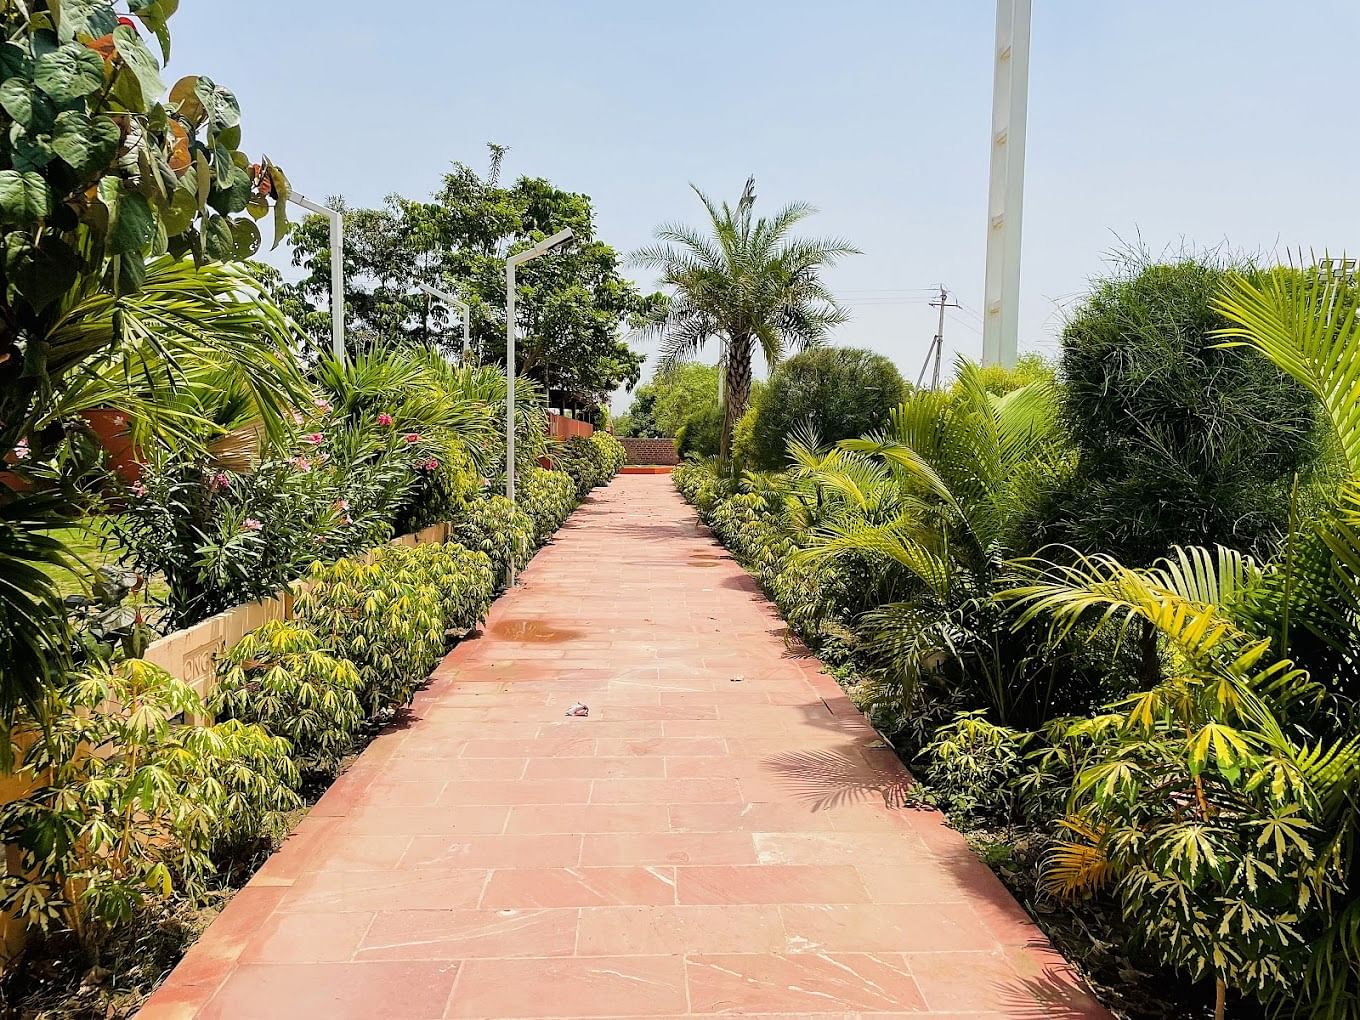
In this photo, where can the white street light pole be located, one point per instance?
(550, 244)
(452, 303)
(337, 270)
(1006, 191)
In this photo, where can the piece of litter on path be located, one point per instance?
(579, 709)
(737, 679)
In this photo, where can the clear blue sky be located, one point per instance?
(1199, 123)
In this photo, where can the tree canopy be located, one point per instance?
(571, 308)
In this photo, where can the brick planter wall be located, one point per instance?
(650, 451)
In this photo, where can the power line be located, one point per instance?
(936, 348)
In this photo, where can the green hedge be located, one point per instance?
(495, 526)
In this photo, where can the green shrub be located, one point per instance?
(384, 619)
(612, 453)
(282, 677)
(464, 578)
(100, 835)
(495, 526)
(701, 433)
(1209, 826)
(253, 782)
(548, 497)
(583, 460)
(840, 392)
(972, 767)
(1181, 441)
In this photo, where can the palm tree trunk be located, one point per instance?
(738, 391)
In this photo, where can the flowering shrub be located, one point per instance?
(495, 526)
(282, 677)
(220, 538)
(548, 497)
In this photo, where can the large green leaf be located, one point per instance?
(84, 144)
(24, 196)
(183, 207)
(1308, 324)
(40, 275)
(218, 239)
(70, 73)
(31, 151)
(134, 225)
(22, 101)
(219, 104)
(246, 238)
(145, 72)
(91, 17)
(154, 14)
(14, 62)
(232, 196)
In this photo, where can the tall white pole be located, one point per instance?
(337, 230)
(1006, 188)
(338, 287)
(510, 380)
(558, 240)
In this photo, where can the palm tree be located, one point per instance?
(746, 283)
(938, 499)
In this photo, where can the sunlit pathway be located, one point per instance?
(720, 835)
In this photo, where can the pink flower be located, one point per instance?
(138, 489)
(314, 438)
(412, 437)
(251, 524)
(431, 464)
(21, 449)
(342, 504)
(384, 419)
(220, 480)
(347, 519)
(323, 406)
(297, 418)
(301, 463)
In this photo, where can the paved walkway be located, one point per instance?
(721, 835)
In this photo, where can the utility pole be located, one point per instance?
(1006, 190)
(936, 349)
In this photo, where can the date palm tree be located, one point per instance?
(747, 283)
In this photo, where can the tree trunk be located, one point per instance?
(738, 391)
(1150, 654)
(1220, 999)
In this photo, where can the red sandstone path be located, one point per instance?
(698, 845)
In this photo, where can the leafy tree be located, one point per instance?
(1182, 441)
(747, 283)
(100, 175)
(673, 397)
(570, 308)
(839, 392)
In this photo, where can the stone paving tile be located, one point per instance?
(722, 834)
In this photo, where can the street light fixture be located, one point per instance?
(452, 303)
(337, 269)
